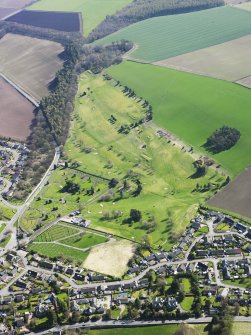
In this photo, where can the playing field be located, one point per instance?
(111, 259)
(93, 11)
(95, 142)
(229, 60)
(168, 36)
(29, 62)
(16, 113)
(192, 106)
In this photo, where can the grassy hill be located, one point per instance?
(168, 36)
(93, 11)
(192, 106)
(167, 202)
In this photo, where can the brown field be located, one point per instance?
(16, 113)
(110, 258)
(5, 12)
(236, 196)
(228, 61)
(30, 63)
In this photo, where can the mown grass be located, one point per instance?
(163, 330)
(56, 232)
(192, 107)
(54, 201)
(163, 169)
(187, 303)
(93, 11)
(6, 213)
(55, 250)
(168, 36)
(84, 241)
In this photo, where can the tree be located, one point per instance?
(222, 139)
(135, 215)
(51, 318)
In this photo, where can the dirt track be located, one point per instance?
(16, 113)
(236, 197)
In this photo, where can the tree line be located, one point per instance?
(140, 10)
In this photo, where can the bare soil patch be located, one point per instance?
(228, 61)
(30, 63)
(236, 196)
(110, 258)
(16, 113)
(5, 12)
(15, 3)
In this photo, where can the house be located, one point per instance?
(19, 322)
(97, 278)
(79, 277)
(122, 298)
(236, 252)
(134, 270)
(19, 298)
(46, 265)
(69, 271)
(202, 266)
(240, 227)
(32, 273)
(143, 282)
(21, 284)
(171, 303)
(202, 253)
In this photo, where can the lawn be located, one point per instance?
(166, 201)
(186, 285)
(93, 11)
(187, 303)
(30, 63)
(84, 240)
(6, 213)
(168, 36)
(192, 107)
(55, 201)
(163, 330)
(55, 250)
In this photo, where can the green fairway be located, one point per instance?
(167, 201)
(192, 107)
(55, 250)
(168, 36)
(93, 11)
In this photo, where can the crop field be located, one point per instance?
(7, 7)
(5, 12)
(166, 198)
(93, 11)
(192, 107)
(69, 22)
(228, 61)
(236, 196)
(54, 201)
(30, 63)
(16, 113)
(110, 259)
(56, 250)
(169, 36)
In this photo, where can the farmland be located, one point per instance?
(169, 36)
(229, 61)
(192, 107)
(110, 259)
(236, 196)
(69, 22)
(93, 11)
(16, 113)
(29, 62)
(7, 7)
(167, 201)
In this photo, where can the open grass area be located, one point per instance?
(168, 36)
(187, 303)
(93, 11)
(186, 285)
(55, 233)
(84, 240)
(55, 200)
(6, 213)
(192, 107)
(55, 250)
(30, 63)
(167, 200)
(163, 330)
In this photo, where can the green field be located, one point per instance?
(55, 233)
(187, 303)
(192, 107)
(54, 201)
(55, 250)
(167, 202)
(6, 213)
(93, 11)
(163, 330)
(168, 36)
(84, 241)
